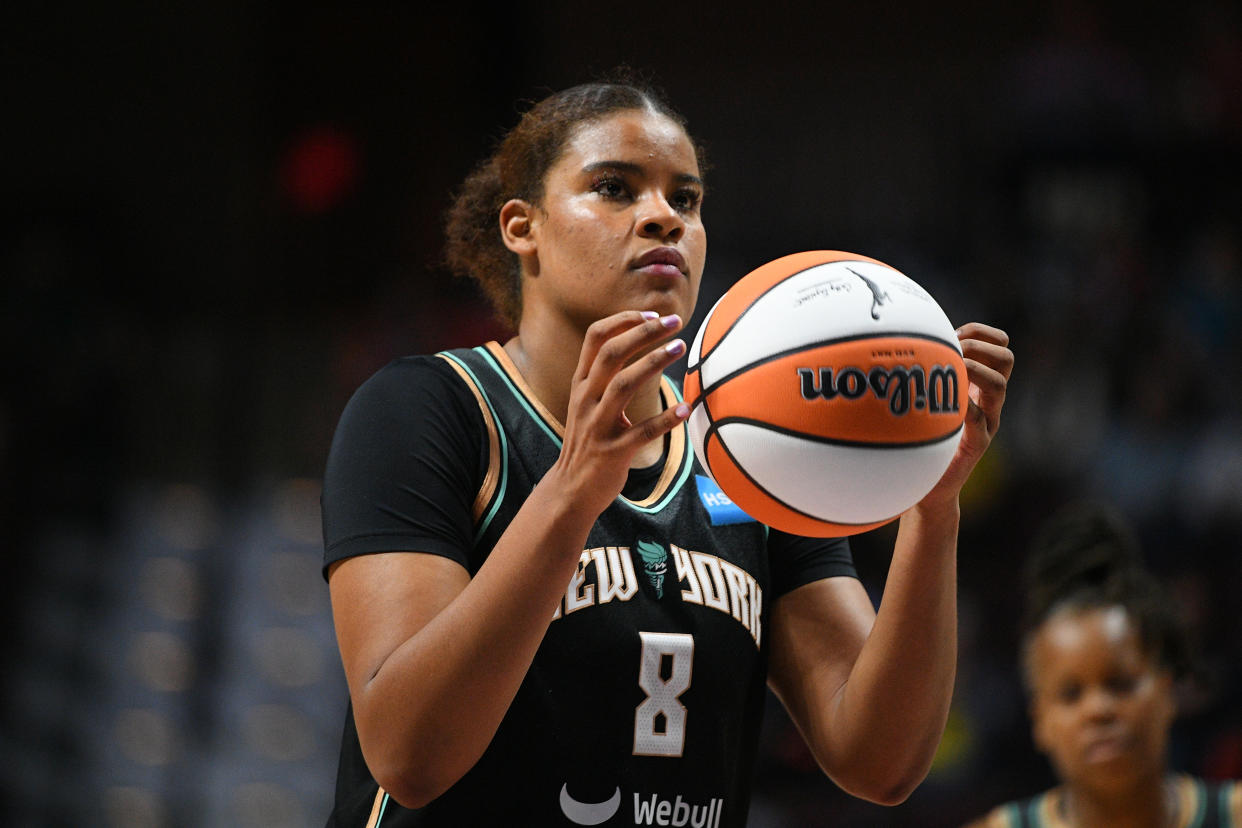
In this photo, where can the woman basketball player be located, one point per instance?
(540, 619)
(1101, 653)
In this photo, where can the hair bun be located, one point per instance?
(1086, 545)
(1086, 555)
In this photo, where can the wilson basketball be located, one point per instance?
(828, 393)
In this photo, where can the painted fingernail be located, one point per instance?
(649, 315)
(675, 347)
(682, 411)
(671, 321)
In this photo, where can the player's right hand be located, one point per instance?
(621, 354)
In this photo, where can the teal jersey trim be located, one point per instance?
(502, 484)
(491, 360)
(1032, 812)
(687, 465)
(1201, 804)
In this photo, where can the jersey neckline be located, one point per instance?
(676, 461)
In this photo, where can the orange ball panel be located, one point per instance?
(692, 386)
(766, 509)
(829, 392)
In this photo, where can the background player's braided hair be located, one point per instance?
(517, 168)
(1086, 557)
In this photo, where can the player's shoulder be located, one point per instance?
(416, 369)
(409, 379)
(402, 397)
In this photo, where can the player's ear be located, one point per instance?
(516, 223)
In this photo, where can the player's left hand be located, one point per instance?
(989, 362)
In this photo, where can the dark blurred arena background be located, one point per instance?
(218, 219)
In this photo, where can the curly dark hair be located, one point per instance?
(1086, 557)
(517, 168)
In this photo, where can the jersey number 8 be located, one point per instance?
(664, 671)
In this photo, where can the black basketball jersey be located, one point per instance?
(1201, 804)
(644, 701)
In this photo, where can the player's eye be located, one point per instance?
(1121, 685)
(686, 199)
(1069, 693)
(610, 187)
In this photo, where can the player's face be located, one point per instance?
(1101, 707)
(619, 225)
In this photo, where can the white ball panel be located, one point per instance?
(697, 424)
(827, 301)
(842, 484)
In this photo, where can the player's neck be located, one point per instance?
(548, 370)
(547, 363)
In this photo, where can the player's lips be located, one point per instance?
(1106, 747)
(665, 261)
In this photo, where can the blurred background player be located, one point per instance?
(1103, 649)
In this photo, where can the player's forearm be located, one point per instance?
(432, 708)
(892, 710)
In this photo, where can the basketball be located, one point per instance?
(827, 393)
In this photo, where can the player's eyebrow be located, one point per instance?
(637, 169)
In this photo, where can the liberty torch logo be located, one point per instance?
(655, 564)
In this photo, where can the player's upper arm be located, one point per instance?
(817, 632)
(402, 472)
(381, 600)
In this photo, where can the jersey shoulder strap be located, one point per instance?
(1210, 804)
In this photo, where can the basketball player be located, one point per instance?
(543, 620)
(1101, 654)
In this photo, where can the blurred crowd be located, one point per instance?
(170, 658)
